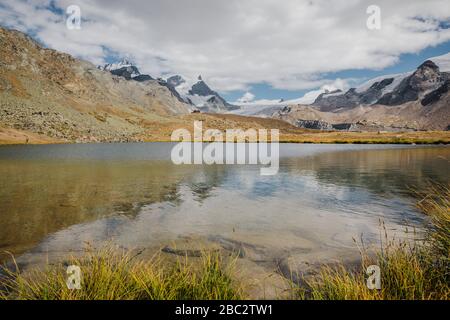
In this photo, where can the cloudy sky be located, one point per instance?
(245, 49)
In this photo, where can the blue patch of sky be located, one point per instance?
(61, 11)
(264, 91)
(407, 62)
(52, 6)
(444, 24)
(111, 56)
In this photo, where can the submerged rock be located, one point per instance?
(185, 252)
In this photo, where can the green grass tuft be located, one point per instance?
(109, 274)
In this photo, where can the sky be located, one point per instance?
(247, 50)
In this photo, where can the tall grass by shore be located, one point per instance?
(413, 272)
(109, 274)
(418, 271)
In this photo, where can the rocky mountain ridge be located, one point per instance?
(207, 100)
(417, 100)
(200, 96)
(426, 79)
(59, 96)
(125, 69)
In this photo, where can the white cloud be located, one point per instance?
(307, 98)
(338, 84)
(247, 97)
(288, 44)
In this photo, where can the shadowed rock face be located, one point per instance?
(323, 125)
(214, 102)
(426, 77)
(327, 102)
(175, 81)
(142, 78)
(435, 96)
(126, 72)
(375, 91)
(410, 101)
(352, 98)
(346, 126)
(202, 89)
(314, 124)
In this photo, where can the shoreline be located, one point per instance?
(161, 131)
(406, 138)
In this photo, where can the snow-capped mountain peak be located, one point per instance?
(199, 94)
(201, 89)
(397, 78)
(126, 69)
(124, 63)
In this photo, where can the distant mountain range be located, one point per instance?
(417, 100)
(56, 95)
(423, 85)
(200, 96)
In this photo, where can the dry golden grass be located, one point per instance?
(160, 131)
(114, 274)
(159, 128)
(418, 137)
(17, 88)
(12, 136)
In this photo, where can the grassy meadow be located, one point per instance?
(161, 130)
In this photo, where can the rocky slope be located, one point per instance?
(53, 94)
(419, 100)
(199, 96)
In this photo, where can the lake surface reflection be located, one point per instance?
(54, 199)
